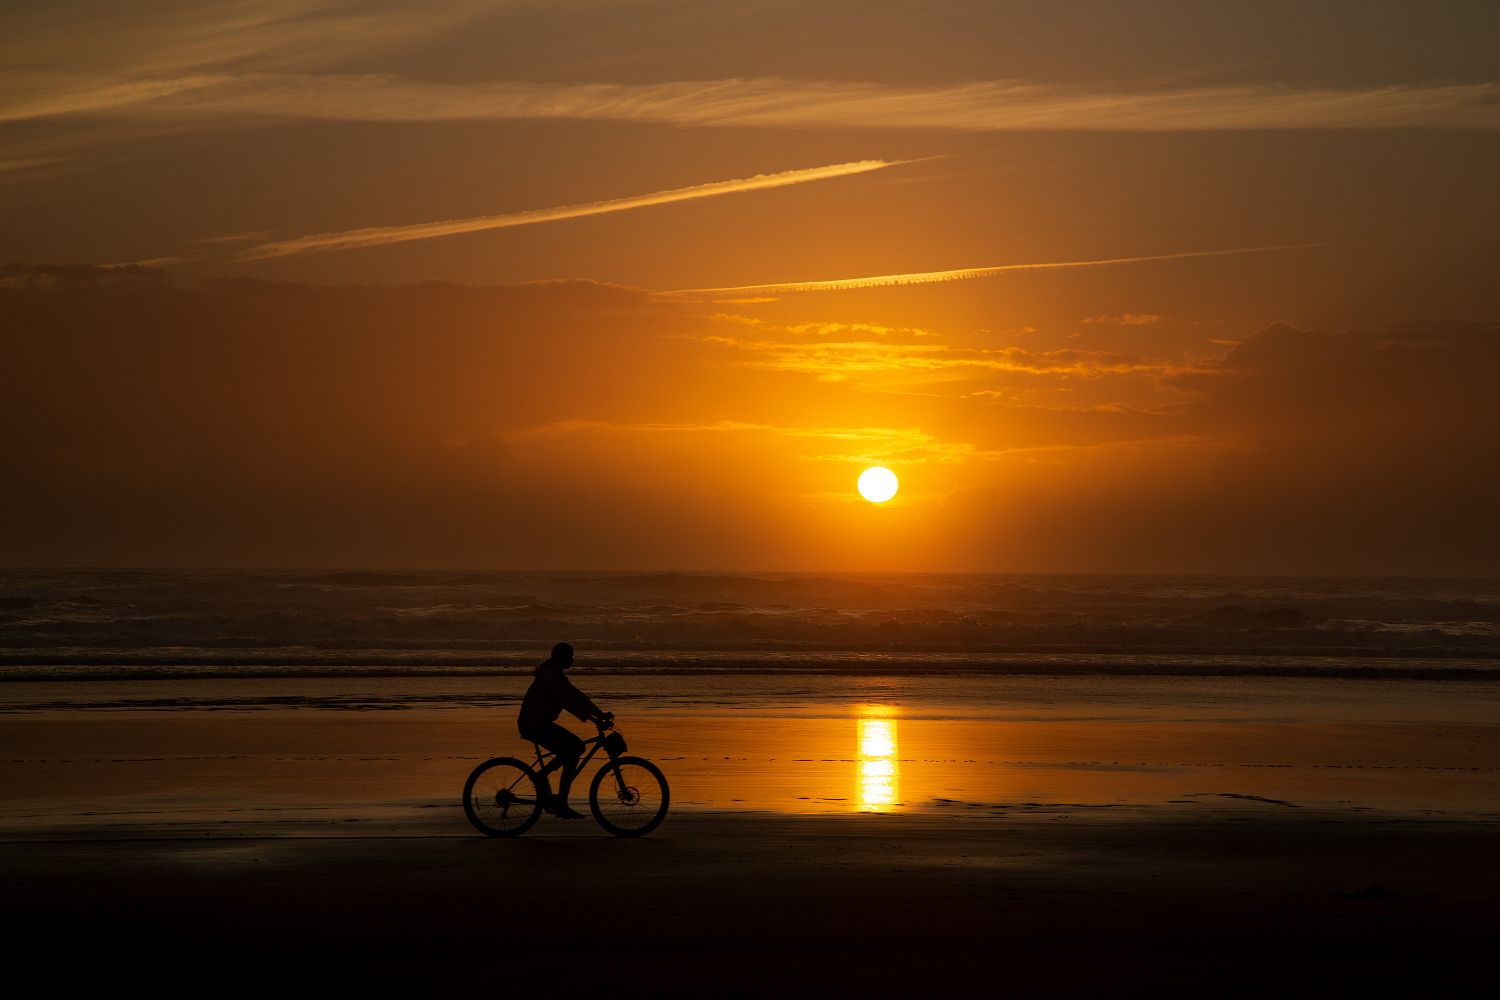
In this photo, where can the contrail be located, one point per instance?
(380, 235)
(963, 273)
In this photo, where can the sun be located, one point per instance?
(877, 484)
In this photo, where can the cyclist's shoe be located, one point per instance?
(564, 811)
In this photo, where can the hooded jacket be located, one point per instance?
(549, 694)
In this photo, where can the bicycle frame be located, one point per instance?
(546, 760)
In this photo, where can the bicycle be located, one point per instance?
(504, 796)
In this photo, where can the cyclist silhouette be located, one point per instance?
(549, 694)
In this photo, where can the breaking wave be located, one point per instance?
(81, 624)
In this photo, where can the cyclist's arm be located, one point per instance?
(576, 702)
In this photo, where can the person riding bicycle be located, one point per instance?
(549, 694)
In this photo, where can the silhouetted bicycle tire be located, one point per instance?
(503, 797)
(629, 797)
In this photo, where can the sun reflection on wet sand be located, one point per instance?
(173, 766)
(878, 771)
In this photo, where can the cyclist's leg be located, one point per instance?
(569, 749)
(532, 733)
(566, 748)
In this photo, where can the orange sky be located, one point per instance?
(1161, 286)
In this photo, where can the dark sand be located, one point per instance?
(1248, 901)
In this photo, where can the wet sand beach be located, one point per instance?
(1107, 840)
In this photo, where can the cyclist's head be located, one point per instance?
(562, 654)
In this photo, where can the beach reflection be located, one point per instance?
(878, 777)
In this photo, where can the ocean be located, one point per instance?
(77, 623)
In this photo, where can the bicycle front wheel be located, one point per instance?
(503, 797)
(629, 797)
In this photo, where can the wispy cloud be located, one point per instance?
(766, 102)
(1010, 104)
(845, 360)
(26, 164)
(382, 235)
(1125, 319)
(145, 262)
(852, 444)
(911, 446)
(172, 38)
(253, 236)
(48, 98)
(963, 273)
(823, 328)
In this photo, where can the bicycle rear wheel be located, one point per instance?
(629, 797)
(503, 797)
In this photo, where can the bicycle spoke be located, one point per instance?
(491, 801)
(630, 797)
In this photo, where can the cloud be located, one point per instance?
(984, 106)
(574, 424)
(27, 165)
(250, 236)
(172, 38)
(838, 360)
(148, 262)
(1007, 104)
(1126, 319)
(114, 73)
(875, 441)
(383, 235)
(825, 328)
(40, 101)
(565, 424)
(965, 273)
(1423, 388)
(312, 422)
(1378, 451)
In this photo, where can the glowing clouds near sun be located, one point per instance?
(878, 484)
